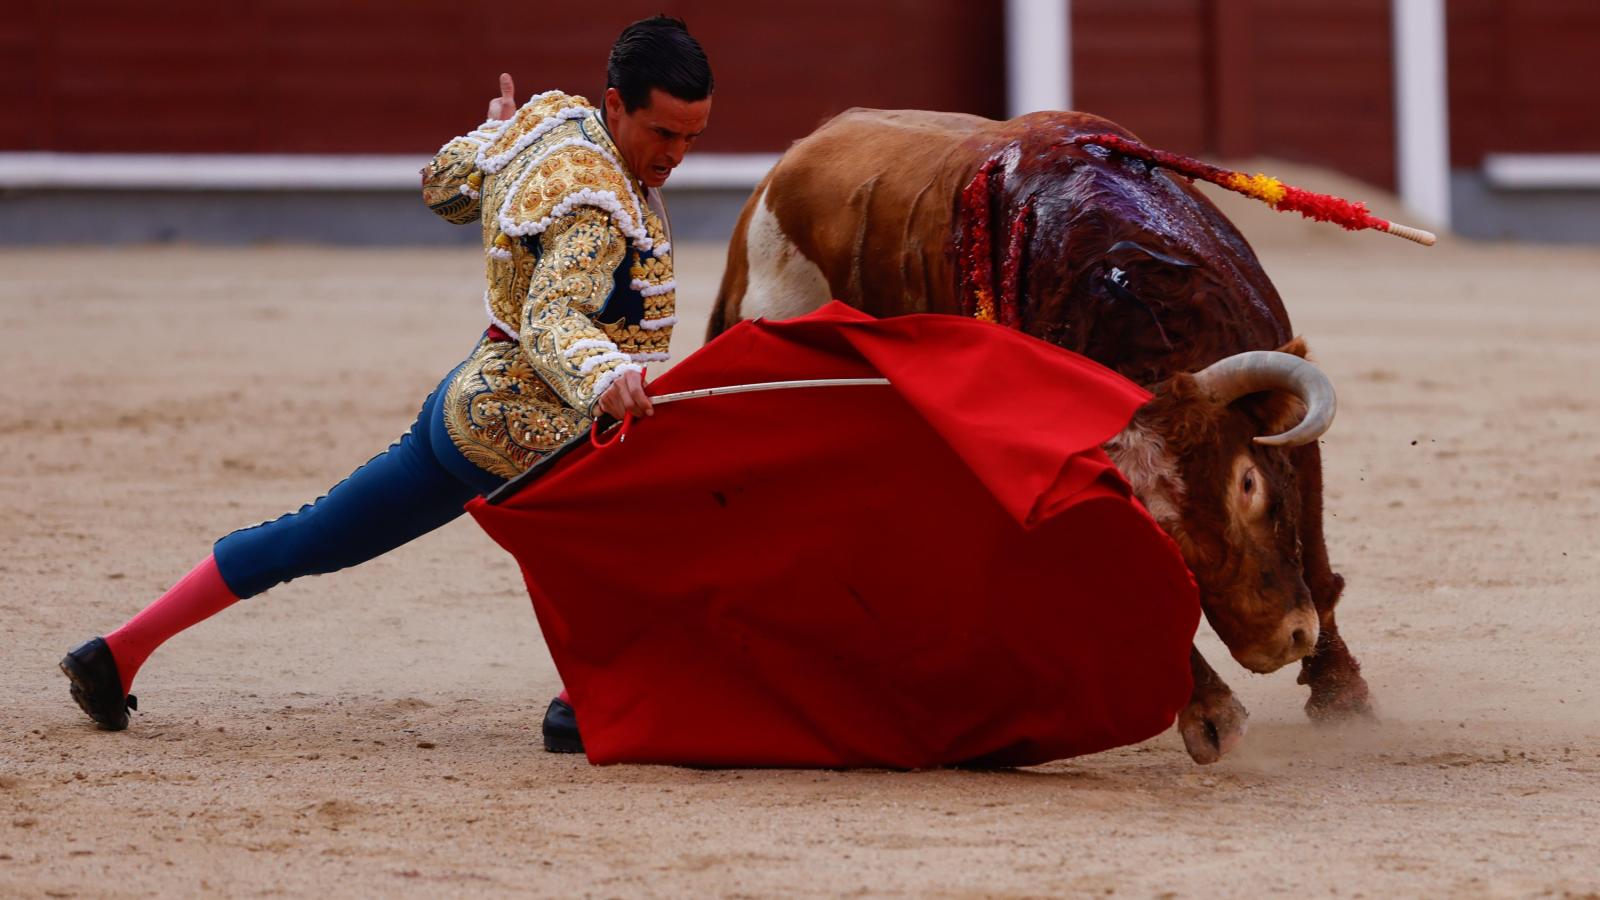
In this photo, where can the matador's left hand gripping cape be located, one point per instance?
(580, 277)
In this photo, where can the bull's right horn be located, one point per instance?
(1228, 379)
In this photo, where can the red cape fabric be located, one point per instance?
(944, 571)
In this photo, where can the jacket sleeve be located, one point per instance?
(570, 284)
(452, 181)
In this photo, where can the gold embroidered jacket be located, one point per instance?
(579, 274)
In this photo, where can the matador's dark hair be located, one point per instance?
(658, 52)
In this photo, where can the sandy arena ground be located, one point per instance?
(376, 732)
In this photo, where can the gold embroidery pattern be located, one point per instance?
(501, 416)
(452, 169)
(553, 182)
(652, 276)
(508, 278)
(530, 116)
(566, 172)
(571, 283)
(646, 341)
(553, 172)
(637, 342)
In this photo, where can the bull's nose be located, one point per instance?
(1302, 641)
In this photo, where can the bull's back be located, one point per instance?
(860, 210)
(863, 209)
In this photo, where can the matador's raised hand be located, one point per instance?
(503, 106)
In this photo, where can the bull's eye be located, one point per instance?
(1251, 501)
(1118, 283)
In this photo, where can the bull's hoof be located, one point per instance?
(1212, 726)
(1337, 698)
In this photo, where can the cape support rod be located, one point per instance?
(765, 386)
(605, 422)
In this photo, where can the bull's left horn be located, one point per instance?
(1226, 380)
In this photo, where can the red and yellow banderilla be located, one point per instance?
(1351, 215)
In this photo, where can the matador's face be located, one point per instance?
(655, 137)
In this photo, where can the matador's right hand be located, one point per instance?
(626, 395)
(505, 105)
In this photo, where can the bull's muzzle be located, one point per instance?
(1294, 639)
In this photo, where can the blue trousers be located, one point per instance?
(418, 484)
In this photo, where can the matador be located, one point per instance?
(580, 296)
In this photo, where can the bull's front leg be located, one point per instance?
(1337, 689)
(1214, 721)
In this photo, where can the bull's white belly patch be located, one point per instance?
(782, 282)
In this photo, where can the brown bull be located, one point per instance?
(903, 211)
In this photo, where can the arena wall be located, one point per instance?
(1302, 80)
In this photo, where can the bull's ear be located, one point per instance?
(1276, 411)
(1183, 414)
(1297, 347)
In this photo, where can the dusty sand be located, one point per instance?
(377, 731)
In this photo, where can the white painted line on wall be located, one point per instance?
(283, 172)
(722, 170)
(1542, 171)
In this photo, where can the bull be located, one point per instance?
(1104, 254)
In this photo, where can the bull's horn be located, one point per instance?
(1226, 380)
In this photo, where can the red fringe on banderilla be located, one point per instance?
(1351, 215)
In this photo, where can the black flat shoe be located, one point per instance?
(97, 686)
(561, 728)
